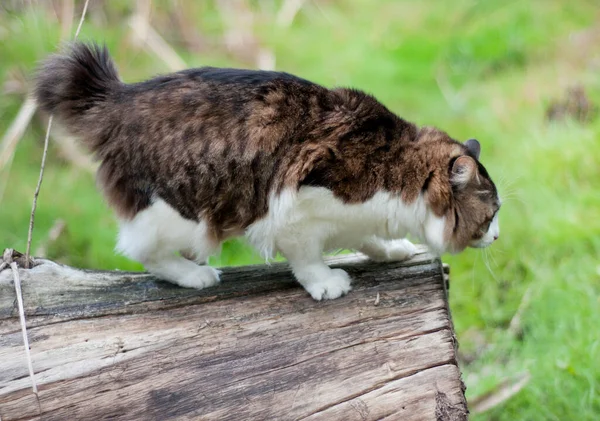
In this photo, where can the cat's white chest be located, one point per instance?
(314, 212)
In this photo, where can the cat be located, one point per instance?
(192, 158)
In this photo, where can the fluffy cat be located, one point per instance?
(192, 158)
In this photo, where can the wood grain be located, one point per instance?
(111, 345)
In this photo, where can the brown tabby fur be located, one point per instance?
(214, 143)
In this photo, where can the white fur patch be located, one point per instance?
(433, 235)
(156, 234)
(381, 250)
(315, 211)
(262, 233)
(160, 229)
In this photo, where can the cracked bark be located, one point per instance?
(126, 346)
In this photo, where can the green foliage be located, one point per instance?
(484, 69)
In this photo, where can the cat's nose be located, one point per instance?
(496, 236)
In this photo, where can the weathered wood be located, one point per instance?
(257, 347)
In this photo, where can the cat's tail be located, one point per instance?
(77, 87)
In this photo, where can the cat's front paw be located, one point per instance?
(389, 250)
(334, 286)
(199, 278)
(400, 250)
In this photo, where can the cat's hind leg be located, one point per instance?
(381, 250)
(182, 272)
(155, 237)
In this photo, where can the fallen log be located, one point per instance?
(118, 345)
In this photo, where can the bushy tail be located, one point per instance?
(76, 85)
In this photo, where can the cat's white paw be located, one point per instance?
(200, 277)
(399, 250)
(334, 286)
(390, 251)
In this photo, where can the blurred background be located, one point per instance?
(520, 76)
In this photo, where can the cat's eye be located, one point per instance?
(486, 224)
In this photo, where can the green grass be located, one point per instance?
(484, 69)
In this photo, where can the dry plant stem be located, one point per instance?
(85, 6)
(37, 192)
(515, 323)
(66, 17)
(288, 12)
(152, 41)
(16, 130)
(503, 392)
(15, 270)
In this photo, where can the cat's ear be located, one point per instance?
(464, 169)
(474, 147)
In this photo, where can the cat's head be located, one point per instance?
(465, 198)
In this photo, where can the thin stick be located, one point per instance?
(150, 39)
(503, 392)
(37, 192)
(15, 270)
(15, 131)
(66, 17)
(288, 12)
(85, 6)
(515, 323)
(43, 164)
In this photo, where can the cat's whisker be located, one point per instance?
(473, 272)
(505, 192)
(512, 199)
(496, 249)
(487, 264)
(504, 181)
(511, 196)
(492, 257)
(507, 187)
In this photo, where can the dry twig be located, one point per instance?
(288, 12)
(503, 392)
(15, 131)
(67, 12)
(15, 271)
(151, 40)
(515, 323)
(8, 260)
(37, 193)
